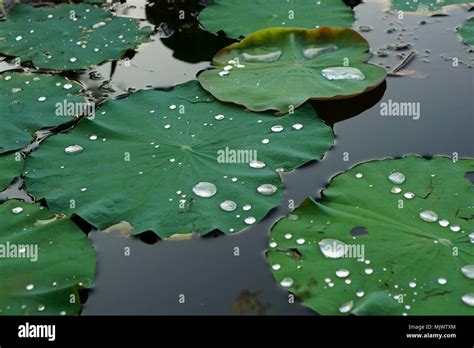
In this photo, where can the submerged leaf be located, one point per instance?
(42, 264)
(416, 257)
(280, 69)
(67, 37)
(242, 17)
(467, 31)
(29, 102)
(174, 162)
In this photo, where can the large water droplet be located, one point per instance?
(73, 149)
(346, 307)
(442, 281)
(219, 117)
(360, 293)
(468, 299)
(30, 287)
(98, 25)
(343, 73)
(228, 206)
(409, 195)
(332, 248)
(443, 223)
(412, 284)
(261, 58)
(17, 210)
(395, 189)
(287, 282)
(257, 164)
(455, 228)
(342, 273)
(276, 267)
(267, 189)
(312, 52)
(397, 178)
(297, 126)
(368, 271)
(468, 271)
(250, 220)
(428, 216)
(205, 189)
(277, 128)
(300, 241)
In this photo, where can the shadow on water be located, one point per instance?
(333, 111)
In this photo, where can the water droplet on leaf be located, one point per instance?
(428, 216)
(343, 73)
(73, 149)
(17, 210)
(397, 178)
(333, 248)
(468, 271)
(287, 282)
(205, 189)
(346, 307)
(342, 273)
(267, 189)
(228, 206)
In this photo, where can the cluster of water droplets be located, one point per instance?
(336, 249)
(18, 86)
(233, 63)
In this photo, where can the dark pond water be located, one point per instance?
(205, 270)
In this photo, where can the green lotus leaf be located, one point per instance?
(467, 32)
(277, 69)
(11, 165)
(29, 102)
(423, 5)
(389, 237)
(165, 161)
(45, 259)
(67, 37)
(243, 17)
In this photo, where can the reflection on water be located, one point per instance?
(188, 41)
